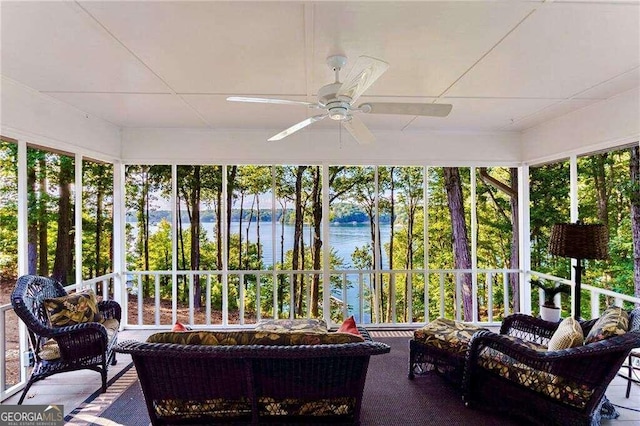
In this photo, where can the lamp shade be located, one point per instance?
(579, 241)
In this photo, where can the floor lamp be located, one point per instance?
(579, 241)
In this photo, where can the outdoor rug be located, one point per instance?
(390, 398)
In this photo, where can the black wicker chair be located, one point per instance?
(587, 369)
(253, 384)
(82, 346)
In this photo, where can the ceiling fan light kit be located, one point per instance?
(337, 99)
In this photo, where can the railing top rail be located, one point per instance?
(313, 271)
(100, 278)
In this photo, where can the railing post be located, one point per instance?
(595, 304)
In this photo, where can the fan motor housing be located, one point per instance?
(338, 108)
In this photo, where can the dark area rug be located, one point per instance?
(389, 397)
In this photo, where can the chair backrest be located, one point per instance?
(27, 300)
(634, 320)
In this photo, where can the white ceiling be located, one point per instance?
(505, 66)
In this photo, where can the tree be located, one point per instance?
(634, 168)
(462, 257)
(64, 242)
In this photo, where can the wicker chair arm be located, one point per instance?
(520, 325)
(80, 340)
(586, 364)
(252, 351)
(110, 309)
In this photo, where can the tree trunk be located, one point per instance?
(393, 219)
(634, 166)
(99, 197)
(32, 227)
(43, 220)
(194, 201)
(461, 252)
(230, 187)
(316, 209)
(64, 243)
(297, 233)
(600, 179)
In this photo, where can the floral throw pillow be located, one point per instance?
(73, 309)
(613, 322)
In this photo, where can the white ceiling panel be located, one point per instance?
(609, 88)
(559, 51)
(505, 65)
(135, 110)
(479, 114)
(240, 115)
(548, 112)
(214, 47)
(427, 44)
(54, 46)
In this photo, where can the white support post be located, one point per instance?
(425, 239)
(474, 246)
(524, 229)
(376, 246)
(119, 241)
(174, 244)
(326, 248)
(573, 196)
(23, 245)
(225, 242)
(78, 189)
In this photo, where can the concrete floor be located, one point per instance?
(72, 389)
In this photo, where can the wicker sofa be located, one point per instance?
(509, 372)
(225, 377)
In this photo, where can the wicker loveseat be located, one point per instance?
(252, 377)
(510, 371)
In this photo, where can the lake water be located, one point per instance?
(344, 239)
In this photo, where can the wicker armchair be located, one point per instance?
(546, 387)
(82, 346)
(253, 384)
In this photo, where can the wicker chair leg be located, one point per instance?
(24, 392)
(412, 360)
(103, 373)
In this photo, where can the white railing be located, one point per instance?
(353, 292)
(596, 294)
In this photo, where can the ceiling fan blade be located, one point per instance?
(363, 74)
(359, 131)
(428, 110)
(268, 101)
(301, 125)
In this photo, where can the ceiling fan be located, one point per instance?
(337, 100)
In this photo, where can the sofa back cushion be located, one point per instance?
(252, 337)
(567, 335)
(283, 325)
(613, 322)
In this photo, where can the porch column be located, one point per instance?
(524, 228)
(78, 219)
(119, 249)
(326, 248)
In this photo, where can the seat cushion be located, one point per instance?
(50, 351)
(253, 337)
(567, 335)
(72, 309)
(613, 322)
(305, 324)
(451, 336)
(551, 385)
